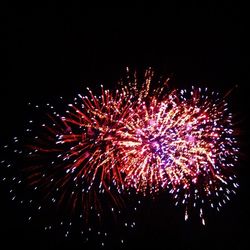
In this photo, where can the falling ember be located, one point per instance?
(186, 215)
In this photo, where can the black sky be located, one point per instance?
(54, 52)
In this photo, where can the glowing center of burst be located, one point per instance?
(155, 146)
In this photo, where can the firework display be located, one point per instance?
(138, 138)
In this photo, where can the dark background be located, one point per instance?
(54, 52)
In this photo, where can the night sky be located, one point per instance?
(52, 52)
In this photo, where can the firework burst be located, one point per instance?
(85, 142)
(184, 142)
